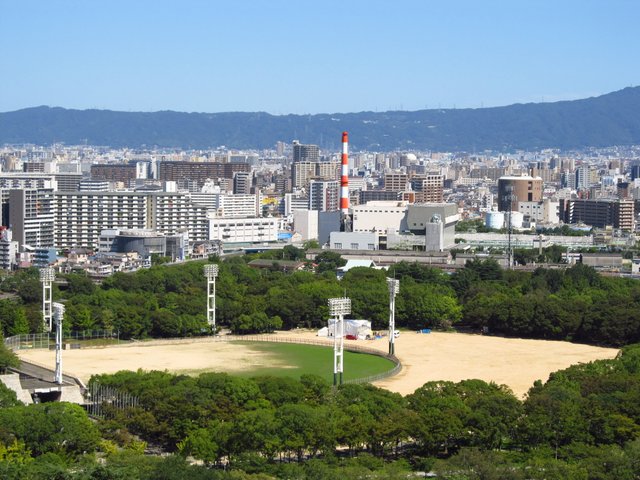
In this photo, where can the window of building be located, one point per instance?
(371, 246)
(354, 246)
(338, 245)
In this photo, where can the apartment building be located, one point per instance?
(31, 217)
(305, 152)
(115, 172)
(599, 213)
(303, 172)
(429, 188)
(395, 182)
(199, 171)
(324, 195)
(81, 216)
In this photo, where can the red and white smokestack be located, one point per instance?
(344, 179)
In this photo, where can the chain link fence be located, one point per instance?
(102, 401)
(47, 340)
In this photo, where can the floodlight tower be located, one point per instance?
(211, 272)
(394, 288)
(58, 314)
(338, 308)
(47, 276)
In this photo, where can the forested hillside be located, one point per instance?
(606, 120)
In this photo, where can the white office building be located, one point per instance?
(243, 230)
(381, 217)
(546, 211)
(229, 205)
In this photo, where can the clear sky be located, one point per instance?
(313, 56)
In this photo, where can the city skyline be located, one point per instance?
(285, 57)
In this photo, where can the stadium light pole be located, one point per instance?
(58, 314)
(394, 288)
(211, 272)
(338, 308)
(47, 276)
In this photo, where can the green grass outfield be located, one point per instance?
(293, 360)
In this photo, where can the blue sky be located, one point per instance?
(304, 56)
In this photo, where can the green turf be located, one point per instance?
(293, 360)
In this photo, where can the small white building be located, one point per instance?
(546, 211)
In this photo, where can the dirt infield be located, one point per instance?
(425, 357)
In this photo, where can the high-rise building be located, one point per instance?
(395, 182)
(324, 195)
(305, 153)
(242, 182)
(429, 188)
(303, 172)
(512, 190)
(68, 182)
(8, 249)
(283, 184)
(586, 176)
(31, 217)
(599, 213)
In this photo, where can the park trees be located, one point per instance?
(8, 397)
(13, 318)
(422, 305)
(367, 289)
(329, 261)
(471, 412)
(255, 322)
(61, 428)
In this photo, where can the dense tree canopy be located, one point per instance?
(583, 423)
(575, 303)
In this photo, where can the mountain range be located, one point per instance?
(606, 120)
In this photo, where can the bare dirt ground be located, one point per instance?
(425, 357)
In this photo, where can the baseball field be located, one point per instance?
(516, 363)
